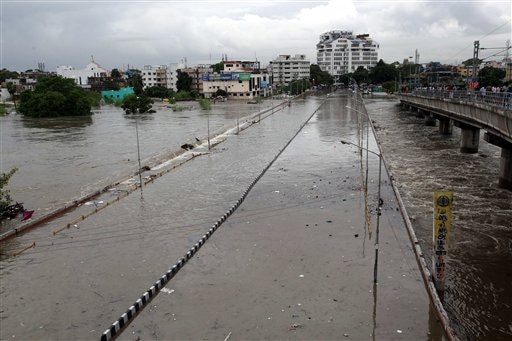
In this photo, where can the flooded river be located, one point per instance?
(60, 160)
(479, 270)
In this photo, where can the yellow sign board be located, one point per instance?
(443, 202)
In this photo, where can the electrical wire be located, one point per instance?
(484, 36)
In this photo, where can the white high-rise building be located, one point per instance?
(342, 52)
(286, 68)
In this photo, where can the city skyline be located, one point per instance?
(138, 33)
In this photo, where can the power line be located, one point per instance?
(484, 36)
(496, 54)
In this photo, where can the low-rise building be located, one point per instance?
(466, 71)
(117, 95)
(237, 80)
(82, 76)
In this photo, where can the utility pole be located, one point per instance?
(475, 58)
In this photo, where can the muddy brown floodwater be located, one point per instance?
(294, 261)
(479, 270)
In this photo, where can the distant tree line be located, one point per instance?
(55, 96)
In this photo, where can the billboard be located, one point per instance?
(244, 76)
(441, 234)
(227, 76)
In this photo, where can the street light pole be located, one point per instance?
(138, 150)
(138, 145)
(208, 127)
(379, 204)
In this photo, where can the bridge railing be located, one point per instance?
(502, 100)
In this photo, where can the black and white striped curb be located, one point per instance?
(143, 300)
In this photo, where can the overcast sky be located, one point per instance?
(138, 33)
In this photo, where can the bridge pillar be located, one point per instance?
(420, 113)
(445, 126)
(505, 179)
(505, 176)
(430, 120)
(469, 138)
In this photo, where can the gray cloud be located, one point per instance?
(139, 33)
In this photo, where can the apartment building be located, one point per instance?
(172, 75)
(154, 75)
(196, 73)
(342, 52)
(286, 68)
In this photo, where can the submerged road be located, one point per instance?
(295, 261)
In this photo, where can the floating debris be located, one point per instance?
(295, 326)
(168, 291)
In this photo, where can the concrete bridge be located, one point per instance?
(470, 111)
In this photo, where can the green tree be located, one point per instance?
(319, 77)
(6, 74)
(5, 198)
(11, 88)
(135, 81)
(361, 75)
(204, 103)
(218, 67)
(115, 74)
(490, 76)
(111, 85)
(469, 62)
(184, 82)
(382, 72)
(133, 104)
(345, 79)
(157, 92)
(220, 92)
(299, 86)
(390, 86)
(57, 96)
(183, 96)
(405, 70)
